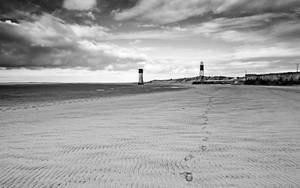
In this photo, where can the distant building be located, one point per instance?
(141, 79)
(287, 78)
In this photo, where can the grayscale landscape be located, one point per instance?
(149, 94)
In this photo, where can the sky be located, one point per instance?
(109, 40)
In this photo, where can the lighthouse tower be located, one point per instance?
(201, 74)
(141, 80)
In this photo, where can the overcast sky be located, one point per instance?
(108, 40)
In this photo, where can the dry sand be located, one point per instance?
(213, 136)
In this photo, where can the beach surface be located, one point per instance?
(206, 136)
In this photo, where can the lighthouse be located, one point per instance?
(141, 80)
(201, 73)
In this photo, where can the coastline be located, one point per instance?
(38, 95)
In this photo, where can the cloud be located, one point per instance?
(262, 28)
(10, 21)
(91, 32)
(79, 4)
(264, 52)
(166, 11)
(50, 43)
(167, 37)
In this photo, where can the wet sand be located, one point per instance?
(207, 136)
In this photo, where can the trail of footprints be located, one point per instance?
(269, 159)
(201, 148)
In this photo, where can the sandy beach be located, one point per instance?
(206, 136)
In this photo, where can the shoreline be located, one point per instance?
(23, 100)
(172, 87)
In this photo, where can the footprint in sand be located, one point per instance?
(189, 157)
(188, 176)
(203, 148)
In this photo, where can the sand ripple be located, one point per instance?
(211, 136)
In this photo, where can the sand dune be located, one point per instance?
(207, 136)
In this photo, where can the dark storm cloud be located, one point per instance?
(83, 12)
(9, 35)
(100, 14)
(52, 5)
(102, 7)
(27, 9)
(40, 57)
(23, 55)
(48, 42)
(37, 34)
(7, 6)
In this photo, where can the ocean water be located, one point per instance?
(28, 95)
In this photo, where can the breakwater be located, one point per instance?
(286, 78)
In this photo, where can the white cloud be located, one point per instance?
(10, 22)
(112, 49)
(92, 32)
(264, 51)
(47, 31)
(169, 11)
(79, 4)
(269, 27)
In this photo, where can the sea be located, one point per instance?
(14, 96)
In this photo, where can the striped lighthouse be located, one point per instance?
(141, 80)
(201, 73)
